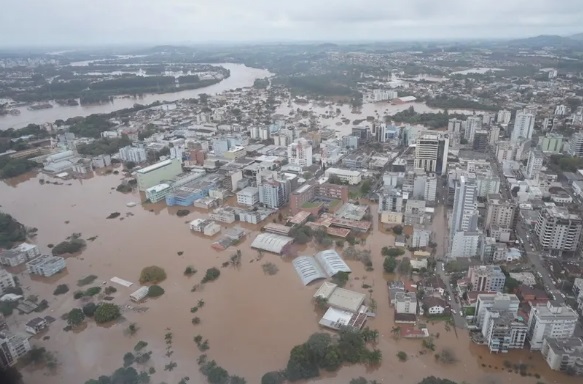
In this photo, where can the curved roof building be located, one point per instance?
(308, 269)
(332, 263)
(271, 242)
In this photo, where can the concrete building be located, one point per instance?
(481, 141)
(576, 144)
(6, 281)
(19, 254)
(503, 116)
(502, 302)
(465, 244)
(154, 174)
(558, 230)
(134, 154)
(486, 278)
(431, 152)
(564, 354)
(348, 176)
(535, 163)
(473, 124)
(300, 153)
(274, 193)
(139, 294)
(350, 142)
(503, 331)
(551, 143)
(406, 302)
(430, 192)
(494, 136)
(464, 217)
(248, 196)
(550, 320)
(454, 125)
(12, 347)
(421, 237)
(500, 212)
(523, 126)
(391, 201)
(46, 265)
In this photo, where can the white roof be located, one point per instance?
(271, 242)
(332, 263)
(346, 172)
(340, 298)
(155, 166)
(158, 188)
(308, 269)
(248, 191)
(140, 293)
(325, 290)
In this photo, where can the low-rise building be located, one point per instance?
(489, 278)
(434, 306)
(140, 294)
(564, 354)
(406, 302)
(6, 281)
(12, 347)
(46, 265)
(248, 196)
(36, 325)
(348, 176)
(503, 331)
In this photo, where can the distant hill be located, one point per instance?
(548, 41)
(164, 49)
(578, 36)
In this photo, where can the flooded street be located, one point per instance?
(251, 319)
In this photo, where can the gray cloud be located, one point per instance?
(90, 22)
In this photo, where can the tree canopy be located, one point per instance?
(106, 312)
(152, 274)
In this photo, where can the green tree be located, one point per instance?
(397, 230)
(89, 309)
(128, 359)
(402, 356)
(301, 364)
(351, 345)
(237, 380)
(375, 357)
(106, 312)
(318, 344)
(404, 266)
(75, 317)
(61, 289)
(152, 274)
(272, 377)
(390, 264)
(211, 275)
(155, 291)
(365, 187)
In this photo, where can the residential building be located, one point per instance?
(300, 153)
(36, 325)
(154, 174)
(486, 278)
(523, 126)
(349, 176)
(420, 238)
(481, 141)
(350, 142)
(140, 294)
(391, 201)
(12, 257)
(576, 144)
(550, 320)
(494, 135)
(454, 125)
(500, 212)
(503, 331)
(431, 152)
(503, 116)
(46, 265)
(434, 305)
(133, 154)
(12, 347)
(6, 281)
(274, 193)
(465, 244)
(248, 196)
(406, 302)
(464, 217)
(430, 192)
(473, 124)
(30, 250)
(560, 110)
(535, 163)
(558, 230)
(564, 354)
(333, 191)
(503, 302)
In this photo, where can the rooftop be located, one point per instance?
(340, 298)
(153, 167)
(271, 242)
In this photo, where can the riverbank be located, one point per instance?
(251, 319)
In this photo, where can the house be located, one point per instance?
(36, 325)
(526, 293)
(400, 241)
(140, 294)
(406, 302)
(434, 306)
(434, 284)
(394, 287)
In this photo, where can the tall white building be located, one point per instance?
(494, 135)
(523, 126)
(503, 117)
(454, 125)
(300, 153)
(535, 163)
(473, 124)
(486, 278)
(430, 188)
(558, 230)
(406, 302)
(6, 281)
(561, 110)
(503, 331)
(465, 210)
(550, 320)
(465, 244)
(504, 302)
(134, 154)
(431, 152)
(576, 144)
(500, 212)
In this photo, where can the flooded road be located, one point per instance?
(241, 76)
(251, 319)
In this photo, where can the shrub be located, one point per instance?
(152, 274)
(61, 289)
(402, 356)
(109, 290)
(106, 312)
(211, 275)
(68, 246)
(140, 345)
(189, 271)
(196, 321)
(86, 280)
(272, 378)
(78, 294)
(89, 309)
(155, 291)
(92, 291)
(128, 359)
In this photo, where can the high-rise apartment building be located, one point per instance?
(558, 230)
(431, 152)
(503, 117)
(503, 302)
(300, 153)
(494, 135)
(576, 144)
(523, 126)
(550, 320)
(535, 163)
(274, 193)
(430, 192)
(473, 124)
(481, 141)
(500, 212)
(133, 154)
(454, 125)
(564, 354)
(465, 210)
(12, 347)
(486, 278)
(503, 331)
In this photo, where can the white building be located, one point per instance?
(46, 265)
(421, 237)
(134, 154)
(406, 302)
(454, 125)
(550, 320)
(465, 244)
(535, 163)
(300, 153)
(465, 209)
(486, 278)
(431, 152)
(558, 230)
(500, 212)
(430, 192)
(502, 331)
(248, 196)
(564, 354)
(576, 144)
(140, 294)
(523, 126)
(348, 176)
(497, 302)
(503, 117)
(6, 281)
(561, 110)
(12, 347)
(473, 124)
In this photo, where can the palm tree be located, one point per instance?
(375, 357)
(396, 331)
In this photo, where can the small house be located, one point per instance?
(36, 325)
(140, 294)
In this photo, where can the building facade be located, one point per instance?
(46, 265)
(558, 230)
(300, 153)
(523, 126)
(431, 152)
(564, 354)
(154, 174)
(486, 278)
(550, 320)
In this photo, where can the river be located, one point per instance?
(250, 319)
(241, 76)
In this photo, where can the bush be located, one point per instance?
(109, 290)
(89, 309)
(211, 275)
(140, 345)
(128, 359)
(75, 317)
(68, 246)
(86, 280)
(78, 294)
(106, 312)
(152, 274)
(390, 264)
(273, 377)
(189, 271)
(155, 291)
(61, 289)
(92, 291)
(402, 356)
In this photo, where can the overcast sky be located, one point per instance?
(104, 22)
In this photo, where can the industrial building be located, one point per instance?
(154, 174)
(325, 264)
(271, 242)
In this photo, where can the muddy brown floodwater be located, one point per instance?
(250, 319)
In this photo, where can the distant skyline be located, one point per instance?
(54, 23)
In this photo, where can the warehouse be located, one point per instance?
(271, 242)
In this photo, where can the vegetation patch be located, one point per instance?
(152, 274)
(11, 231)
(211, 275)
(72, 245)
(155, 291)
(61, 289)
(86, 280)
(106, 312)
(113, 215)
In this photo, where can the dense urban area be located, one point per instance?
(341, 213)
